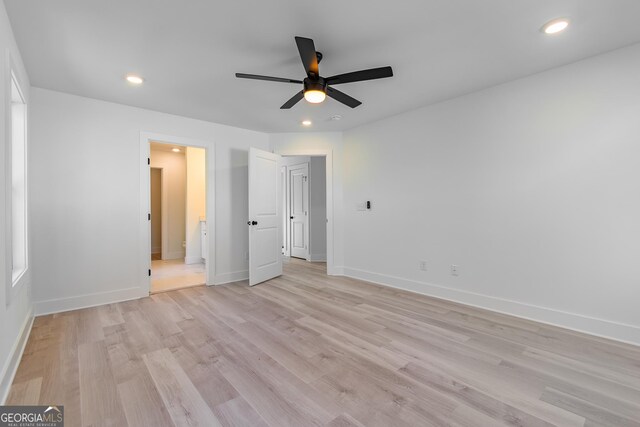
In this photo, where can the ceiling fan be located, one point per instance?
(315, 87)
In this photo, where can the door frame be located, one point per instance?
(327, 153)
(145, 202)
(287, 162)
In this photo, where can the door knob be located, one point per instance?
(291, 217)
(254, 222)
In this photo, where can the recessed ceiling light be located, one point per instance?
(306, 123)
(555, 26)
(135, 80)
(335, 117)
(175, 150)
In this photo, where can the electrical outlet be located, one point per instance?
(454, 270)
(423, 265)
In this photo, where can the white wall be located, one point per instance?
(294, 160)
(174, 200)
(317, 209)
(532, 188)
(196, 202)
(306, 143)
(16, 307)
(85, 177)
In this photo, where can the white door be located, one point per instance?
(299, 210)
(265, 216)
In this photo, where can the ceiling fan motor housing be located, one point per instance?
(319, 84)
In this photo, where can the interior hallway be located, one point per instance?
(310, 349)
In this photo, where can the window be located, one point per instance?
(18, 182)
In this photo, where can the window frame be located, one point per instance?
(15, 281)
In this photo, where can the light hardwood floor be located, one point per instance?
(169, 275)
(307, 349)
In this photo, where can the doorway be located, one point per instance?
(297, 201)
(177, 188)
(269, 245)
(305, 208)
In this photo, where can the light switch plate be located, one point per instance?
(454, 270)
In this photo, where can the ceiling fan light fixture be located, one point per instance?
(314, 96)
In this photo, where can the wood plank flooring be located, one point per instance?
(169, 275)
(311, 350)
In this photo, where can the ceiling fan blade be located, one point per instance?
(343, 97)
(358, 76)
(308, 55)
(268, 78)
(293, 101)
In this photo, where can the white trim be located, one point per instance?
(589, 325)
(15, 284)
(234, 276)
(60, 305)
(13, 361)
(318, 257)
(145, 196)
(328, 154)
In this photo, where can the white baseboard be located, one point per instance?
(590, 325)
(193, 260)
(13, 361)
(84, 301)
(318, 257)
(173, 255)
(234, 276)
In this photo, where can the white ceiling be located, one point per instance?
(188, 51)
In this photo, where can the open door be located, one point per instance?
(299, 210)
(265, 216)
